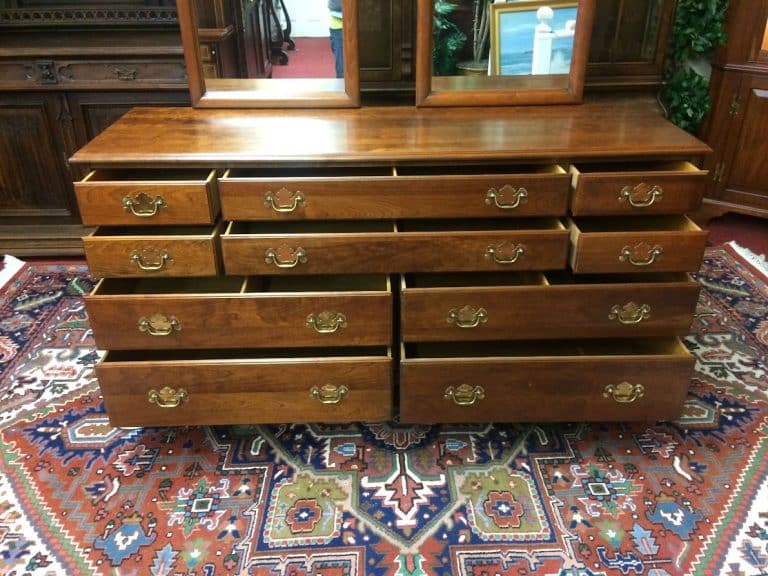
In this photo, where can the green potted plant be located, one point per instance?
(447, 39)
(481, 25)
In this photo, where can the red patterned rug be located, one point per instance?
(79, 497)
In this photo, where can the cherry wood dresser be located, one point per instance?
(446, 265)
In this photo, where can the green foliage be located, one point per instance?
(697, 31)
(447, 39)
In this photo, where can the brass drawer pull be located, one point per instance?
(298, 257)
(519, 196)
(328, 393)
(464, 395)
(327, 322)
(502, 254)
(142, 205)
(624, 392)
(467, 317)
(159, 325)
(167, 397)
(628, 255)
(642, 195)
(273, 201)
(630, 313)
(138, 259)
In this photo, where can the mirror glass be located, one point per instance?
(271, 53)
(480, 52)
(764, 47)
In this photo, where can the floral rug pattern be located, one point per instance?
(80, 497)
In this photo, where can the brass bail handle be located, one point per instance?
(329, 393)
(624, 392)
(630, 313)
(143, 206)
(496, 197)
(327, 322)
(138, 259)
(627, 256)
(167, 397)
(464, 395)
(642, 195)
(299, 257)
(499, 254)
(159, 325)
(467, 317)
(272, 200)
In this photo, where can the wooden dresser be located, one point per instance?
(446, 265)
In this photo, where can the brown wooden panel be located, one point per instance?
(548, 311)
(545, 388)
(245, 390)
(750, 169)
(121, 73)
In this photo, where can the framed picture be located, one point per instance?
(533, 37)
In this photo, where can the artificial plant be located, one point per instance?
(697, 31)
(447, 39)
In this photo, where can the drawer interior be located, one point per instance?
(176, 286)
(636, 224)
(244, 355)
(151, 176)
(352, 283)
(473, 279)
(303, 172)
(564, 277)
(554, 348)
(308, 227)
(621, 167)
(479, 224)
(124, 231)
(476, 170)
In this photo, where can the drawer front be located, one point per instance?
(395, 252)
(637, 251)
(245, 391)
(651, 192)
(150, 256)
(146, 203)
(122, 72)
(128, 322)
(548, 312)
(540, 389)
(481, 196)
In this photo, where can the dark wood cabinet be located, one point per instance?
(738, 123)
(65, 75)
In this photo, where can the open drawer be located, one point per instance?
(232, 312)
(246, 387)
(147, 251)
(135, 197)
(520, 306)
(641, 244)
(344, 193)
(540, 382)
(632, 188)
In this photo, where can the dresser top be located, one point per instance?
(601, 127)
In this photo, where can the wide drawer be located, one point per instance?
(653, 188)
(641, 244)
(178, 251)
(148, 197)
(241, 387)
(597, 381)
(232, 312)
(442, 308)
(123, 73)
(394, 193)
(381, 247)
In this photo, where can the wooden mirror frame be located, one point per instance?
(270, 92)
(497, 90)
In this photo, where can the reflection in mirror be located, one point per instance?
(271, 53)
(479, 52)
(764, 47)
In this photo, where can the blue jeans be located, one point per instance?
(337, 47)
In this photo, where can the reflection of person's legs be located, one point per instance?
(337, 47)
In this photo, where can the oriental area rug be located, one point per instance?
(658, 499)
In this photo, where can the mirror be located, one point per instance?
(233, 51)
(484, 53)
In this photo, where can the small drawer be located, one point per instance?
(246, 387)
(148, 197)
(178, 251)
(443, 308)
(232, 312)
(380, 247)
(394, 193)
(626, 188)
(642, 244)
(585, 381)
(122, 73)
